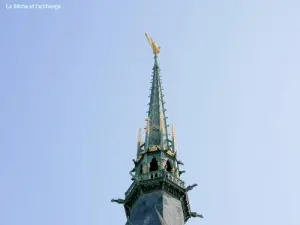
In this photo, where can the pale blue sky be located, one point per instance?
(74, 88)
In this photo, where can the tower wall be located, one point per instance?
(144, 211)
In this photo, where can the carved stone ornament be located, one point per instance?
(171, 153)
(153, 148)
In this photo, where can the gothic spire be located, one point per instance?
(156, 174)
(156, 137)
(157, 134)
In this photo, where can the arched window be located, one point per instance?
(168, 166)
(153, 165)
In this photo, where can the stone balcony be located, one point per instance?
(158, 174)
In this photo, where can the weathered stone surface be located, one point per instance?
(143, 211)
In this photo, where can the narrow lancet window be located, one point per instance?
(168, 166)
(153, 165)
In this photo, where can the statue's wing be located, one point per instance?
(153, 44)
(149, 40)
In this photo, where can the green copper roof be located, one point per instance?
(157, 134)
(156, 137)
(156, 130)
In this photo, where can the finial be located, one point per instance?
(153, 44)
(139, 141)
(148, 125)
(173, 131)
(162, 127)
(173, 137)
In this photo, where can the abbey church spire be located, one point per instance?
(156, 126)
(157, 195)
(156, 136)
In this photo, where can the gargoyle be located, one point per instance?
(181, 172)
(119, 201)
(180, 163)
(194, 214)
(133, 177)
(134, 161)
(190, 187)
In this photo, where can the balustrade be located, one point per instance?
(154, 175)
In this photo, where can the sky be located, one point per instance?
(74, 86)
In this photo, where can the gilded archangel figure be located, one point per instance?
(153, 44)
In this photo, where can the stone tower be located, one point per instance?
(157, 195)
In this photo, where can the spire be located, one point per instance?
(157, 134)
(156, 125)
(156, 173)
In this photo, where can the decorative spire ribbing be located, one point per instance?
(156, 137)
(157, 127)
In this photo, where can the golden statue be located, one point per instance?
(153, 44)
